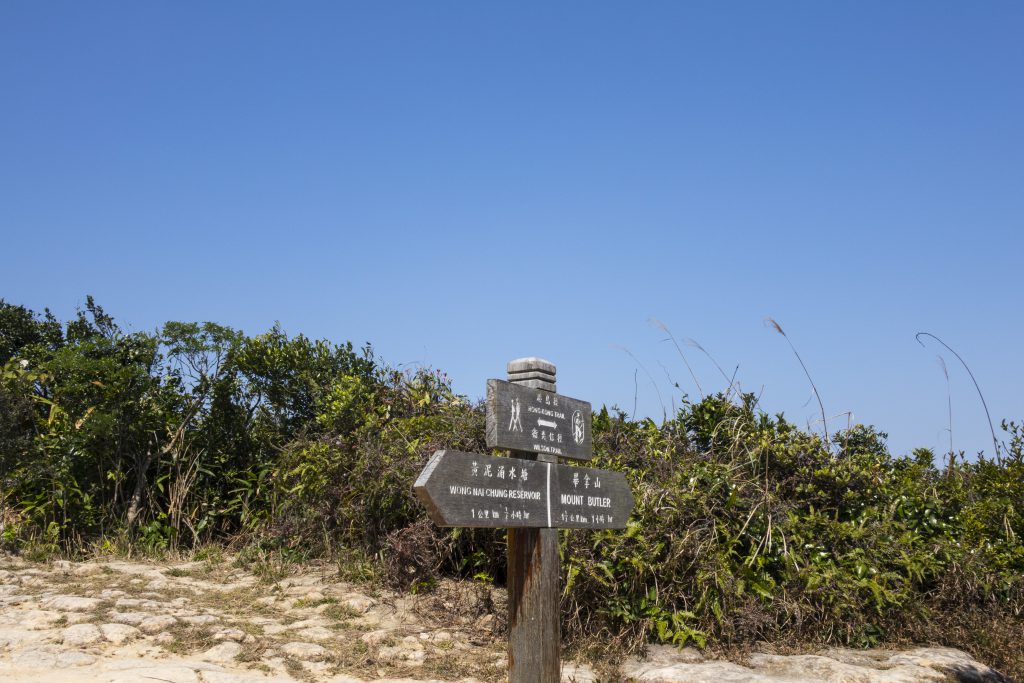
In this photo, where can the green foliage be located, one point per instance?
(746, 528)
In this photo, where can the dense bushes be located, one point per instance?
(746, 528)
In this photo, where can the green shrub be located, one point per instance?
(746, 528)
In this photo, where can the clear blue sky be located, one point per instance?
(465, 183)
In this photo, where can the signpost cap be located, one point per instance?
(531, 364)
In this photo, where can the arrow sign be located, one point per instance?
(474, 490)
(537, 421)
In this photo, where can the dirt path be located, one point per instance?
(213, 622)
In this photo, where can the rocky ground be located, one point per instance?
(213, 622)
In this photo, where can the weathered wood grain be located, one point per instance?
(533, 420)
(476, 490)
(589, 498)
(534, 632)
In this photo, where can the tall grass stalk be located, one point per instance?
(949, 402)
(771, 322)
(730, 380)
(664, 412)
(671, 337)
(988, 416)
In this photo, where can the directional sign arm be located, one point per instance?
(523, 419)
(474, 490)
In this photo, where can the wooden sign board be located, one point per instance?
(588, 498)
(537, 421)
(473, 490)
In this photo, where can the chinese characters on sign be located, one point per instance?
(525, 419)
(469, 489)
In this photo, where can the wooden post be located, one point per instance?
(534, 611)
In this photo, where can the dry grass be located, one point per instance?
(189, 638)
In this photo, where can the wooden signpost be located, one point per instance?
(473, 490)
(537, 421)
(531, 495)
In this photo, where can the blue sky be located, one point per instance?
(465, 183)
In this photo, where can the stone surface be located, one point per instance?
(81, 635)
(376, 637)
(578, 673)
(132, 618)
(235, 634)
(851, 666)
(157, 623)
(198, 619)
(46, 636)
(74, 659)
(316, 633)
(243, 677)
(72, 603)
(224, 652)
(358, 602)
(35, 618)
(402, 653)
(166, 674)
(306, 651)
(119, 633)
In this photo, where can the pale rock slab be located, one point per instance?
(358, 602)
(66, 660)
(304, 651)
(712, 672)
(947, 660)
(316, 633)
(235, 634)
(119, 633)
(821, 668)
(921, 665)
(199, 619)
(375, 638)
(81, 635)
(223, 653)
(577, 673)
(72, 603)
(136, 602)
(237, 677)
(14, 638)
(131, 618)
(34, 618)
(35, 658)
(420, 680)
(167, 674)
(402, 653)
(157, 623)
(49, 657)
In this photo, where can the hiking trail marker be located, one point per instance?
(531, 495)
